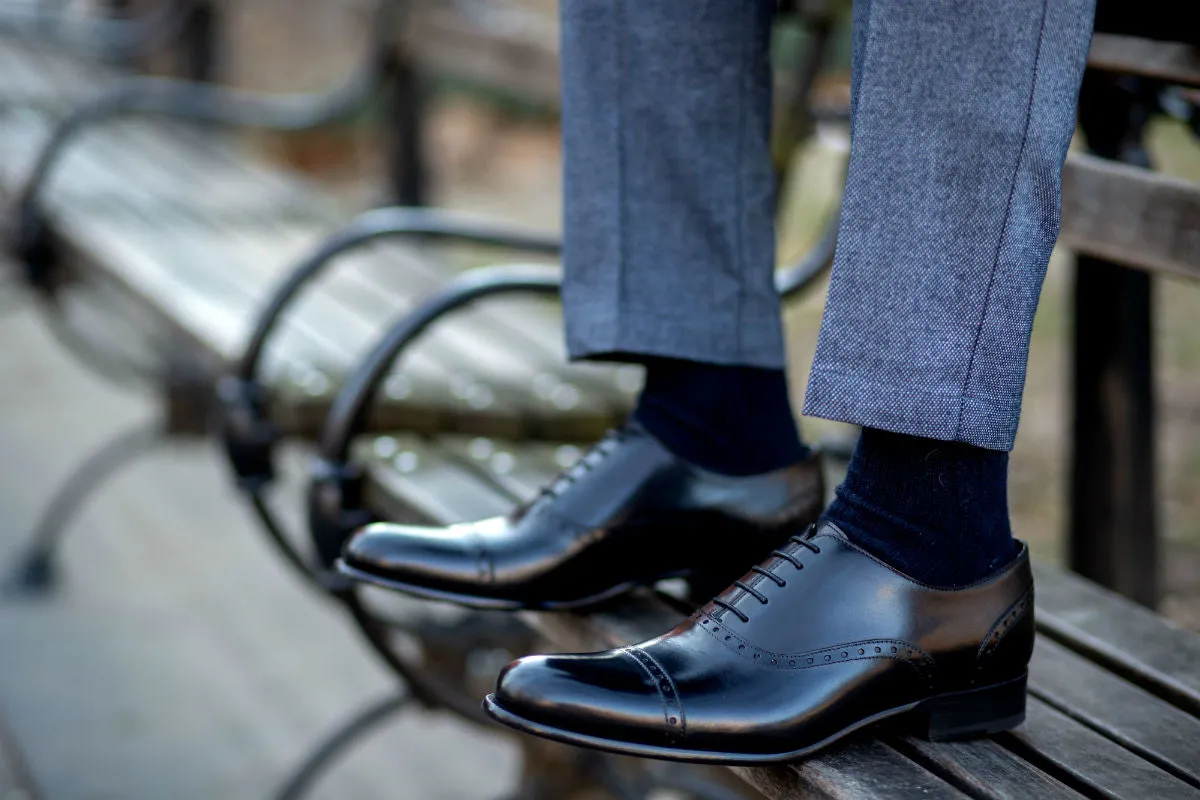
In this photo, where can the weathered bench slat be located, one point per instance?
(1131, 215)
(506, 344)
(530, 324)
(861, 770)
(985, 769)
(356, 312)
(1132, 641)
(521, 474)
(175, 255)
(333, 338)
(486, 387)
(1132, 717)
(1083, 758)
(470, 349)
(1170, 61)
(412, 482)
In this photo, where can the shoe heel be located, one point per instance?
(977, 712)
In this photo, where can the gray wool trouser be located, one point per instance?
(962, 111)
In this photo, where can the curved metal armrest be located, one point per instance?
(200, 102)
(798, 278)
(335, 498)
(248, 433)
(116, 39)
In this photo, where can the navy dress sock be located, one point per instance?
(727, 419)
(936, 511)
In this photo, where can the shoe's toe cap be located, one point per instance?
(422, 555)
(619, 695)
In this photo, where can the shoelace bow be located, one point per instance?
(586, 463)
(767, 573)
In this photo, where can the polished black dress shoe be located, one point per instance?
(820, 640)
(628, 513)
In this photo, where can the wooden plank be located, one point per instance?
(1132, 216)
(860, 769)
(1132, 641)
(1084, 759)
(333, 337)
(1169, 61)
(482, 376)
(532, 324)
(468, 356)
(408, 480)
(985, 769)
(1137, 720)
(521, 469)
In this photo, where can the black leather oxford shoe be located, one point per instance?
(819, 641)
(629, 513)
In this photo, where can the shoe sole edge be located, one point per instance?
(517, 722)
(480, 602)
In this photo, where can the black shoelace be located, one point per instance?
(586, 463)
(768, 574)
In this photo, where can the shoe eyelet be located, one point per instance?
(810, 661)
(893, 649)
(756, 655)
(861, 651)
(791, 663)
(727, 638)
(741, 647)
(674, 720)
(704, 622)
(827, 658)
(845, 654)
(878, 649)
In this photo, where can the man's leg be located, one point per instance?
(961, 117)
(961, 124)
(669, 220)
(669, 263)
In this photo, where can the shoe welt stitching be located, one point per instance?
(673, 717)
(919, 660)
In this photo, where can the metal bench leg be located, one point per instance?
(330, 748)
(35, 569)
